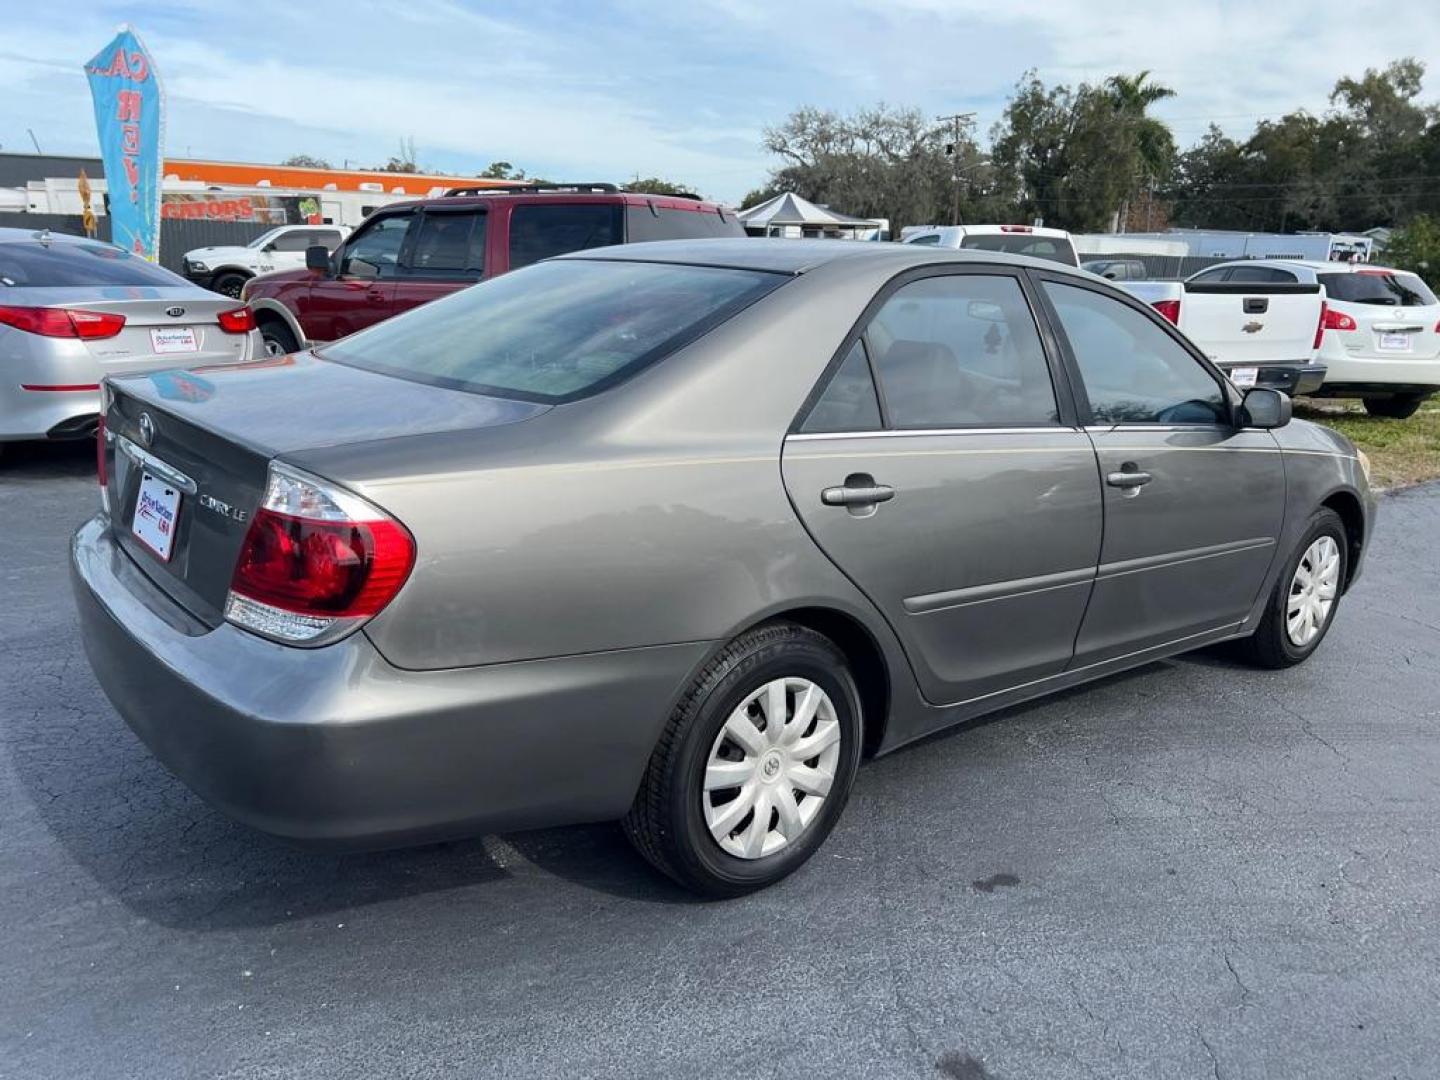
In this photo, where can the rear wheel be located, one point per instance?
(228, 283)
(1396, 407)
(279, 341)
(754, 766)
(1302, 605)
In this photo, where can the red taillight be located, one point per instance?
(1330, 319)
(328, 569)
(63, 322)
(239, 321)
(316, 562)
(1169, 310)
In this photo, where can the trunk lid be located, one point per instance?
(209, 434)
(162, 325)
(1390, 333)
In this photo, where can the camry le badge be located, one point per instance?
(147, 429)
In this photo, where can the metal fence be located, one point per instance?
(177, 236)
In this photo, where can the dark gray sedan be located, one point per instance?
(678, 533)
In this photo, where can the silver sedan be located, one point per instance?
(678, 533)
(74, 310)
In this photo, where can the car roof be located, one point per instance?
(16, 236)
(780, 256)
(481, 197)
(987, 230)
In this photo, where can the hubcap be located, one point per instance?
(771, 768)
(273, 347)
(1312, 591)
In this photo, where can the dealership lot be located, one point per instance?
(1197, 869)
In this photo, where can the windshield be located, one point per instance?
(1055, 248)
(65, 264)
(1384, 289)
(264, 238)
(554, 331)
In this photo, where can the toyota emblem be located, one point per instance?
(147, 429)
(175, 312)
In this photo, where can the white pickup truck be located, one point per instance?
(226, 269)
(1259, 328)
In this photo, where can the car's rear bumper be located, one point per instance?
(335, 745)
(1412, 375)
(1288, 376)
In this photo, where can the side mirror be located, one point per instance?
(317, 258)
(1264, 408)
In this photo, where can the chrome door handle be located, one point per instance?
(867, 495)
(1128, 478)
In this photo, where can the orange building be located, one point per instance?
(244, 174)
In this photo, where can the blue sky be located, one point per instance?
(596, 90)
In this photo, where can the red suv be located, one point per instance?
(408, 254)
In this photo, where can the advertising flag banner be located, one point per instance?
(129, 118)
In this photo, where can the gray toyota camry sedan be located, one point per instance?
(677, 534)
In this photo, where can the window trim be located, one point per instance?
(1081, 395)
(1065, 402)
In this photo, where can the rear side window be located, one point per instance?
(539, 232)
(960, 351)
(1054, 248)
(668, 223)
(849, 402)
(1133, 371)
(928, 240)
(65, 264)
(1385, 290)
(557, 331)
(447, 246)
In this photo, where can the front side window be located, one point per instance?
(1133, 371)
(557, 331)
(961, 350)
(447, 246)
(298, 240)
(376, 251)
(540, 232)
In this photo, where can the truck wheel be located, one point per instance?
(1398, 407)
(1303, 602)
(228, 284)
(279, 341)
(754, 767)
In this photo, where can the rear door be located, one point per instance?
(962, 499)
(1193, 505)
(362, 291)
(445, 251)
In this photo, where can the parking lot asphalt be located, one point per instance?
(1194, 870)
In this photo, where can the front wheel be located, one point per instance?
(228, 284)
(755, 765)
(1302, 605)
(1396, 407)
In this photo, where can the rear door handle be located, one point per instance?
(375, 294)
(859, 491)
(1128, 477)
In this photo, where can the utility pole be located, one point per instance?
(955, 119)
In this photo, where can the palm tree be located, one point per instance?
(1152, 145)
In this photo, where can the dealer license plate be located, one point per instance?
(174, 339)
(156, 512)
(1244, 376)
(1395, 342)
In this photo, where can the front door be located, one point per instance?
(1193, 504)
(963, 500)
(362, 291)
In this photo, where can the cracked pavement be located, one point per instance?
(1193, 870)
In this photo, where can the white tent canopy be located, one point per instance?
(791, 216)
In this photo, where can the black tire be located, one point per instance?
(1397, 407)
(228, 283)
(667, 821)
(279, 341)
(1270, 645)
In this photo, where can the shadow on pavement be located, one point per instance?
(34, 462)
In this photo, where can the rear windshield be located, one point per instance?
(1388, 290)
(64, 264)
(1054, 248)
(555, 331)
